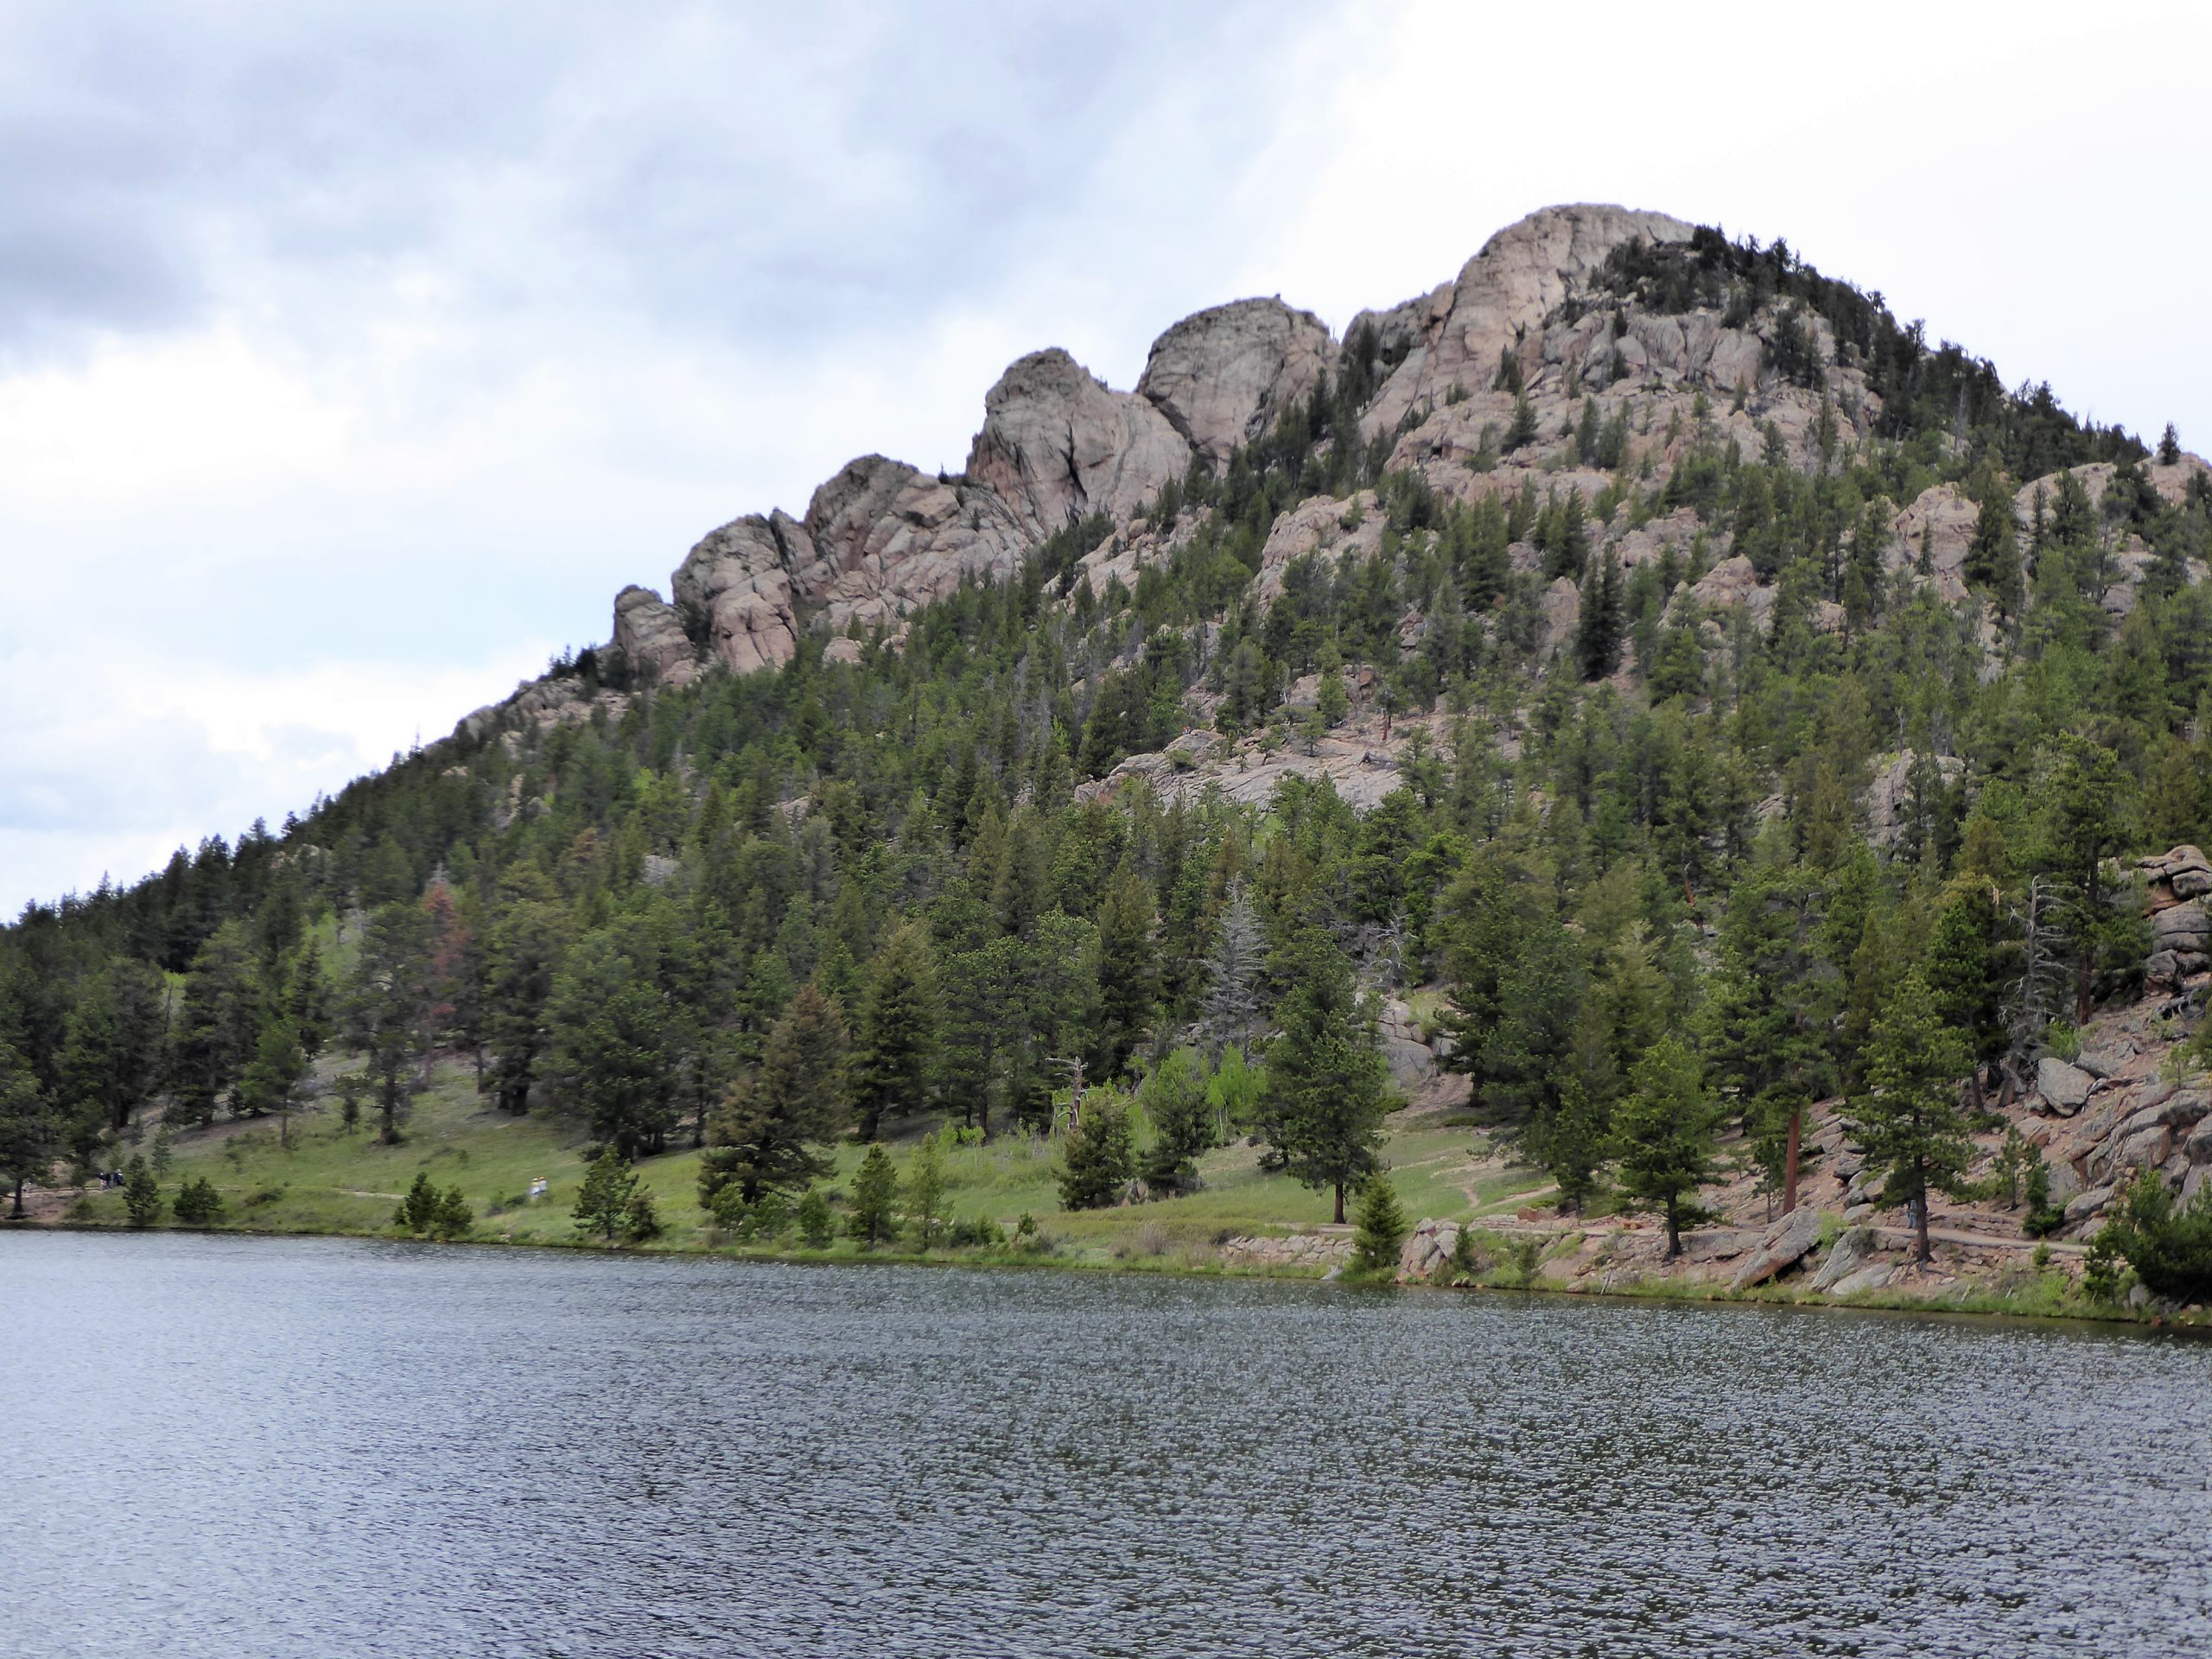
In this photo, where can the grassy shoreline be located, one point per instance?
(1963, 1302)
(332, 1182)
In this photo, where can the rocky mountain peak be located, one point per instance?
(1622, 355)
(1452, 336)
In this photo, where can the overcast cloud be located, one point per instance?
(351, 358)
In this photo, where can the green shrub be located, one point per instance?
(198, 1202)
(2169, 1247)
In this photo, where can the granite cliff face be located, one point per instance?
(1541, 326)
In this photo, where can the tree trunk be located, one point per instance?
(18, 1213)
(1674, 1231)
(1923, 1255)
(1340, 1204)
(1789, 1160)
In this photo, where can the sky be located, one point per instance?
(352, 356)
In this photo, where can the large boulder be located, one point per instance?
(1780, 1248)
(2174, 877)
(2064, 1088)
(1428, 1247)
(2181, 928)
(1223, 376)
(1058, 445)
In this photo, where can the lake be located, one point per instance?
(235, 1446)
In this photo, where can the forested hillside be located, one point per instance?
(1673, 685)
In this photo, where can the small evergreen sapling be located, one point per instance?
(1099, 1159)
(603, 1202)
(875, 1199)
(1382, 1230)
(1665, 1133)
(141, 1193)
(926, 1190)
(816, 1224)
(198, 1202)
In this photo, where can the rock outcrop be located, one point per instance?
(1223, 376)
(1452, 335)
(886, 538)
(1057, 445)
(2177, 888)
(648, 631)
(1665, 381)
(739, 578)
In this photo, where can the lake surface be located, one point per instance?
(257, 1446)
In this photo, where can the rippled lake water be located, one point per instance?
(257, 1446)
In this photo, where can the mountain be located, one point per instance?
(1640, 670)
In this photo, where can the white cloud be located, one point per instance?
(350, 359)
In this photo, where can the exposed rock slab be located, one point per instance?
(1780, 1248)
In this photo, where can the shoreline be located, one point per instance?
(1955, 1303)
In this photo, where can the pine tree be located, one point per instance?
(1099, 1158)
(897, 1030)
(602, 1204)
(1664, 1130)
(30, 1132)
(815, 1220)
(1597, 634)
(1382, 1229)
(419, 1209)
(1522, 432)
(613, 1059)
(1769, 1010)
(764, 1137)
(2088, 802)
(926, 1190)
(390, 1008)
(1127, 970)
(1908, 1121)
(142, 1192)
(524, 959)
(453, 1218)
(1325, 1090)
(1961, 974)
(1992, 561)
(270, 1083)
(2169, 446)
(1174, 1101)
(875, 1199)
(198, 1202)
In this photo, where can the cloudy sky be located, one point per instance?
(353, 357)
